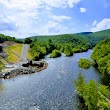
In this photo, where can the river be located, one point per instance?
(50, 89)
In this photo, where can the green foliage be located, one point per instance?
(72, 39)
(80, 84)
(84, 63)
(4, 38)
(27, 41)
(90, 95)
(40, 49)
(68, 50)
(96, 37)
(101, 56)
(55, 53)
(104, 90)
(1, 65)
(79, 49)
(95, 96)
(65, 43)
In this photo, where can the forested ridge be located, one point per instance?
(96, 37)
(91, 38)
(67, 44)
(4, 38)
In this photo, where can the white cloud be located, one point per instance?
(94, 23)
(24, 4)
(59, 18)
(61, 3)
(104, 24)
(83, 10)
(27, 16)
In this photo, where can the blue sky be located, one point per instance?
(24, 18)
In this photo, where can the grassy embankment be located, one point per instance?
(14, 53)
(29, 55)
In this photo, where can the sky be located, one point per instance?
(25, 18)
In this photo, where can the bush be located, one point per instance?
(55, 53)
(95, 96)
(68, 50)
(84, 63)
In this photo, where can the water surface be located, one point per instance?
(50, 89)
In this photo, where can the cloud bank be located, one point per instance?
(30, 17)
(102, 25)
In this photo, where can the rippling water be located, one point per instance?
(50, 89)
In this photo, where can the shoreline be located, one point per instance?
(12, 72)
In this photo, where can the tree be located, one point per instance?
(27, 41)
(84, 63)
(90, 95)
(80, 84)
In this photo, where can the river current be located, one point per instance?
(50, 89)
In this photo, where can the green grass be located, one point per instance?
(14, 53)
(30, 56)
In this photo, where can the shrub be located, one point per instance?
(55, 53)
(84, 63)
(68, 50)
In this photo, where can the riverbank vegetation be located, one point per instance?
(101, 57)
(14, 53)
(94, 96)
(1, 65)
(67, 44)
(39, 49)
(55, 53)
(84, 63)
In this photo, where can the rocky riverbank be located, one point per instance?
(24, 70)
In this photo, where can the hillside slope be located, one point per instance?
(96, 37)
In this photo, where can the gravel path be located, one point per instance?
(24, 52)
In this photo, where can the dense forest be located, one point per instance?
(91, 38)
(101, 57)
(96, 37)
(67, 44)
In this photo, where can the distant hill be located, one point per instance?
(64, 38)
(93, 38)
(84, 33)
(96, 37)
(103, 32)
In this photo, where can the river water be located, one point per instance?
(50, 89)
